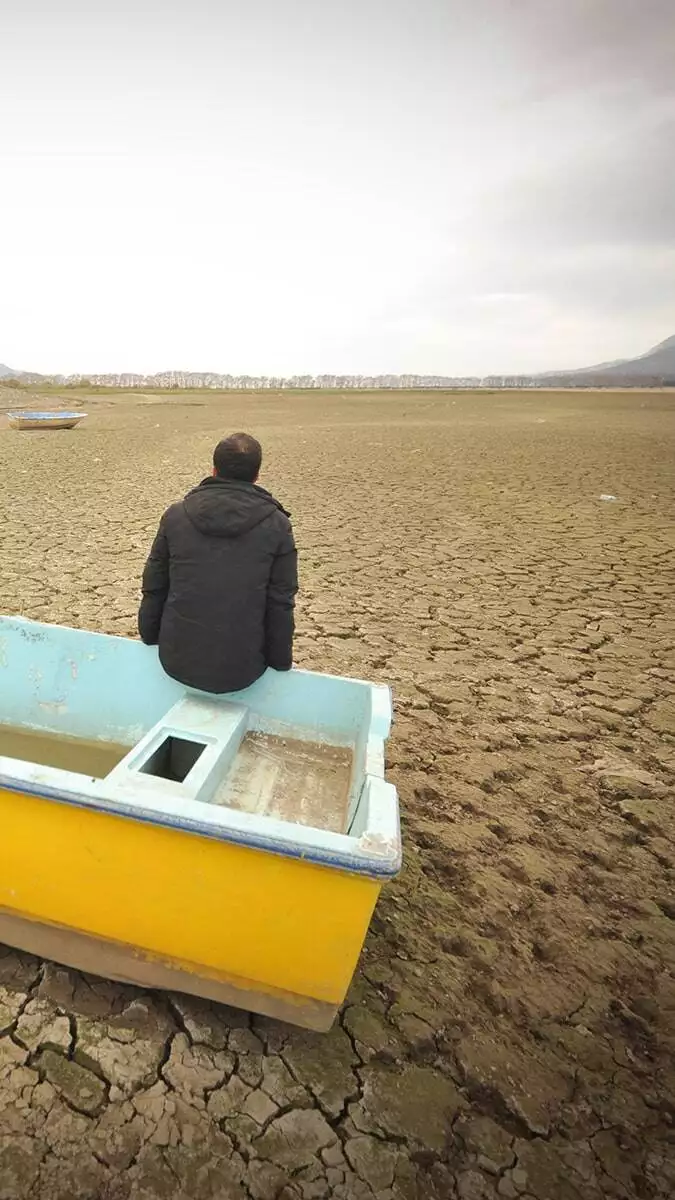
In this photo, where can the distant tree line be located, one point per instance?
(183, 380)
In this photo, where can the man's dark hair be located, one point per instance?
(238, 457)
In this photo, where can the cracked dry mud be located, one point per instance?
(510, 1030)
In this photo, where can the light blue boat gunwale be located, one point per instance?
(333, 709)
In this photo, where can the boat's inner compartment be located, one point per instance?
(173, 759)
(96, 759)
(305, 782)
(221, 753)
(218, 753)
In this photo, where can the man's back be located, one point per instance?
(219, 587)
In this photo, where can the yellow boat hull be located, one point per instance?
(159, 907)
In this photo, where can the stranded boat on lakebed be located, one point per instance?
(229, 847)
(60, 419)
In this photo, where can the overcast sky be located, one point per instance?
(280, 186)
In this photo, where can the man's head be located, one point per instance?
(237, 457)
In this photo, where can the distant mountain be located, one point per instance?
(659, 362)
(25, 377)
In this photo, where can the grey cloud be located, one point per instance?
(585, 41)
(614, 280)
(624, 191)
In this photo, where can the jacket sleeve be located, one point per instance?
(155, 588)
(279, 614)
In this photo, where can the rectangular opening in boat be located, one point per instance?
(303, 782)
(173, 759)
(92, 758)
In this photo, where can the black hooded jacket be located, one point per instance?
(219, 587)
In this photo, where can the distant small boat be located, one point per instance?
(44, 420)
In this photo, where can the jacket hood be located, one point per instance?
(229, 507)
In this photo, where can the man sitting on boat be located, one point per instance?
(220, 582)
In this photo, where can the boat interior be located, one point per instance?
(95, 717)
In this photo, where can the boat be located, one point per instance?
(60, 419)
(231, 847)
